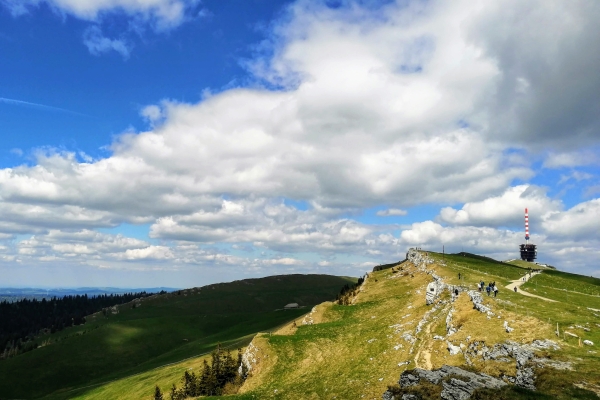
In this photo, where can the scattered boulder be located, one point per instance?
(545, 344)
(432, 293)
(250, 358)
(418, 259)
(450, 329)
(457, 384)
(523, 354)
(477, 300)
(507, 328)
(453, 349)
(409, 338)
(588, 342)
(308, 320)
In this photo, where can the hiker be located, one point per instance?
(456, 292)
(515, 289)
(488, 289)
(459, 276)
(495, 290)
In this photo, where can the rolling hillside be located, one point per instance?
(358, 351)
(139, 336)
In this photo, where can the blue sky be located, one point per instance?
(184, 142)
(45, 62)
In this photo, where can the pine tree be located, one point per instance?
(189, 384)
(229, 368)
(216, 372)
(174, 393)
(203, 381)
(157, 393)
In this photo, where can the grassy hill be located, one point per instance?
(160, 330)
(356, 351)
(527, 264)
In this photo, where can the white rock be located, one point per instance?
(588, 342)
(453, 349)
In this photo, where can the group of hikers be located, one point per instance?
(491, 287)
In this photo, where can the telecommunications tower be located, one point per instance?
(528, 250)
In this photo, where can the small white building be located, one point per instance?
(291, 306)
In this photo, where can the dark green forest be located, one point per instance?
(22, 321)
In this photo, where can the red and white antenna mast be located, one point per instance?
(526, 226)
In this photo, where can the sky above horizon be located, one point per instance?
(184, 142)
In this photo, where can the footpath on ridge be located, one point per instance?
(519, 282)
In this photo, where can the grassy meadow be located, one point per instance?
(164, 329)
(356, 351)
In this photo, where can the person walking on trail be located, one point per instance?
(459, 276)
(515, 289)
(495, 290)
(488, 289)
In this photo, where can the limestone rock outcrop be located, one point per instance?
(457, 384)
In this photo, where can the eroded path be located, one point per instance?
(519, 282)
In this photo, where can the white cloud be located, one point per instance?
(507, 209)
(579, 222)
(571, 159)
(566, 252)
(98, 44)
(391, 212)
(164, 14)
(283, 261)
(150, 252)
(267, 224)
(356, 129)
(398, 105)
(152, 113)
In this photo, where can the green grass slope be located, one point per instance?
(164, 329)
(527, 265)
(356, 351)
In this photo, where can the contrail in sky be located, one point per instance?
(42, 106)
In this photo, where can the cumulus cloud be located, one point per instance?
(85, 244)
(504, 210)
(395, 105)
(98, 44)
(268, 224)
(371, 117)
(571, 159)
(546, 92)
(391, 212)
(579, 222)
(150, 252)
(163, 13)
(565, 251)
